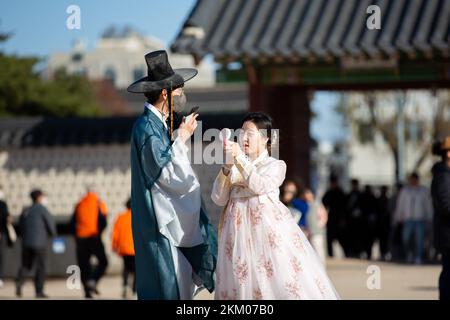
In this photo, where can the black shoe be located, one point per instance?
(88, 295)
(18, 292)
(92, 287)
(41, 295)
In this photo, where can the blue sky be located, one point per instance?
(328, 125)
(39, 28)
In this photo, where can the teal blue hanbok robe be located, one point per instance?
(168, 215)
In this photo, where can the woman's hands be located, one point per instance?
(231, 151)
(234, 148)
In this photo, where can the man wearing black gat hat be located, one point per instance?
(175, 245)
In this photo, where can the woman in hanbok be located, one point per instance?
(263, 253)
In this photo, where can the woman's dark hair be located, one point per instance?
(263, 122)
(283, 190)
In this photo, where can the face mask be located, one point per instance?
(44, 201)
(179, 102)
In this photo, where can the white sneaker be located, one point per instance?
(1, 283)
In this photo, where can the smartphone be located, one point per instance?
(193, 111)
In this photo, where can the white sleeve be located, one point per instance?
(177, 176)
(261, 183)
(176, 199)
(221, 189)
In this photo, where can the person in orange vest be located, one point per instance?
(88, 223)
(122, 244)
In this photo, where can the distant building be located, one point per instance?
(119, 56)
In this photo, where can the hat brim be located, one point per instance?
(179, 77)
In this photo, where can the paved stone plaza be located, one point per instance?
(351, 278)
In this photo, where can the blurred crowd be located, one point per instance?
(37, 228)
(410, 223)
(399, 220)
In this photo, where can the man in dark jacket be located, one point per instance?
(4, 218)
(384, 222)
(334, 201)
(440, 192)
(355, 221)
(370, 219)
(36, 227)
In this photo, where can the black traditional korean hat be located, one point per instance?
(160, 74)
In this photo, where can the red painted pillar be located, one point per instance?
(289, 108)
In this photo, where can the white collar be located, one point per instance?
(261, 157)
(158, 113)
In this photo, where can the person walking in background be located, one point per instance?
(384, 222)
(414, 208)
(396, 227)
(289, 192)
(88, 223)
(316, 221)
(4, 220)
(122, 244)
(440, 191)
(334, 201)
(37, 226)
(355, 222)
(370, 219)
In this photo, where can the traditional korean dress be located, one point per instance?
(263, 253)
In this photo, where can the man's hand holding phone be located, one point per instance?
(192, 113)
(188, 125)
